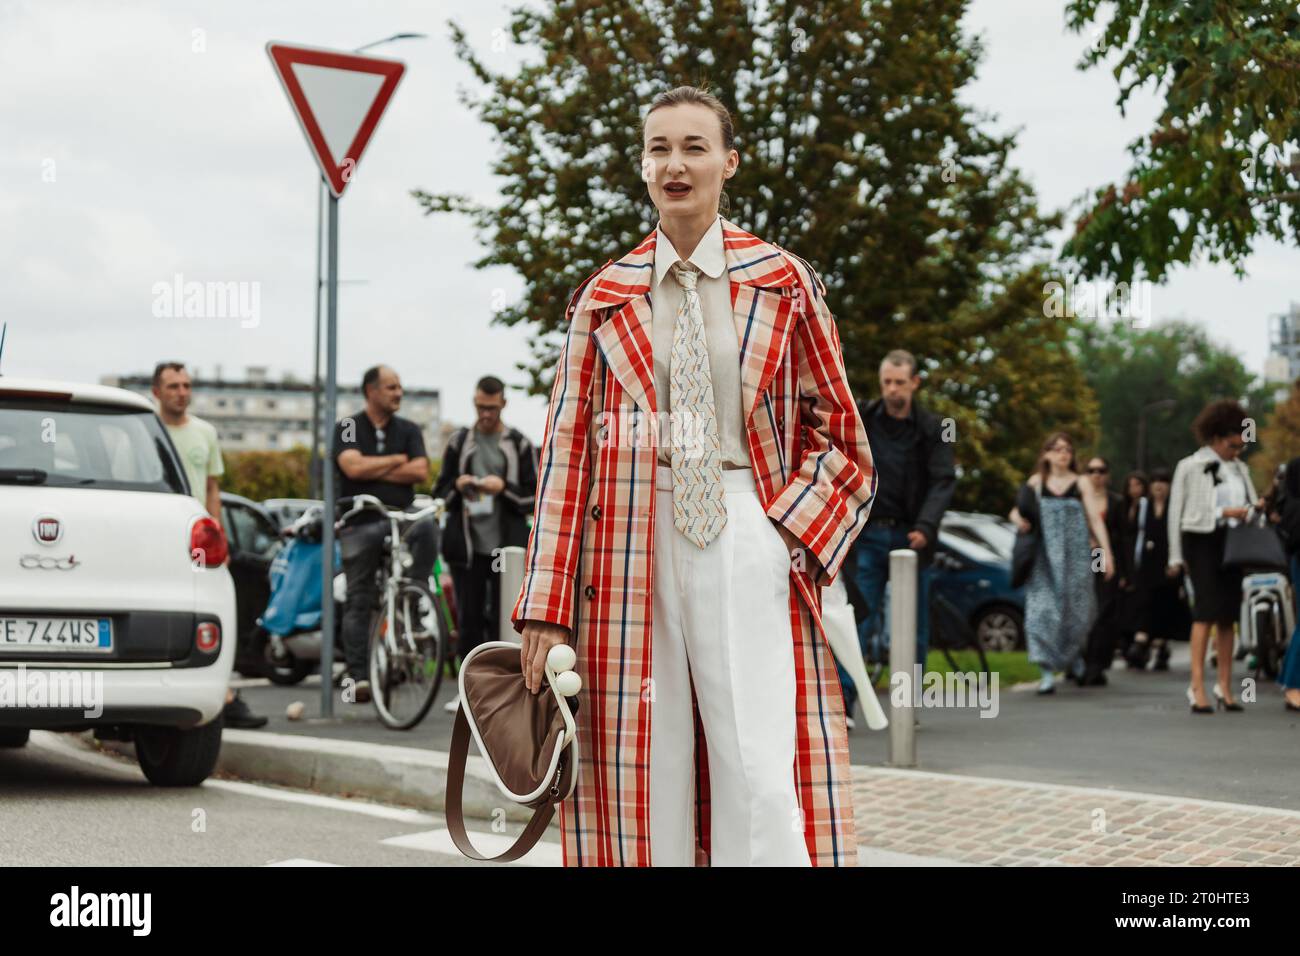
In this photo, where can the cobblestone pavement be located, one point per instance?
(1011, 823)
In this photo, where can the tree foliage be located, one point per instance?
(1221, 168)
(1131, 368)
(856, 152)
(1279, 440)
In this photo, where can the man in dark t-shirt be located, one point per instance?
(377, 453)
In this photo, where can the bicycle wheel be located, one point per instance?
(406, 666)
(956, 639)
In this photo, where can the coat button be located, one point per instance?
(595, 512)
(590, 591)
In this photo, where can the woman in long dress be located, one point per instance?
(1060, 599)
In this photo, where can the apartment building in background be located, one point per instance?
(1282, 367)
(258, 413)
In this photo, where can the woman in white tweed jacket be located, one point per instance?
(1211, 491)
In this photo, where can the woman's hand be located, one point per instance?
(1019, 520)
(539, 637)
(1108, 563)
(1235, 512)
(1173, 570)
(801, 558)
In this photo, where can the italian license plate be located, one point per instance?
(18, 633)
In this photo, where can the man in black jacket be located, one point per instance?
(489, 482)
(914, 463)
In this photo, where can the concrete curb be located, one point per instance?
(402, 776)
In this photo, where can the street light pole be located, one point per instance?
(313, 472)
(1142, 429)
(330, 410)
(317, 431)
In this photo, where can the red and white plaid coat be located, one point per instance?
(589, 564)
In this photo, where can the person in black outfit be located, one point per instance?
(1105, 629)
(1163, 616)
(377, 453)
(916, 477)
(489, 482)
(1132, 597)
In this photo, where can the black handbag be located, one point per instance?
(1025, 550)
(1254, 545)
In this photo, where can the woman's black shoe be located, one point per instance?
(1221, 701)
(1191, 699)
(1139, 653)
(1290, 706)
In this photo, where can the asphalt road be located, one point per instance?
(66, 806)
(1135, 734)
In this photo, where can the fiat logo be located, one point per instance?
(47, 529)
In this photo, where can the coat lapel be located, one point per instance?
(763, 299)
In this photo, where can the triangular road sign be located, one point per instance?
(338, 99)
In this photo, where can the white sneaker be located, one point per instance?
(452, 705)
(850, 722)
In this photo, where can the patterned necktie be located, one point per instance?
(698, 508)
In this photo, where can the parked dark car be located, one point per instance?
(254, 538)
(977, 580)
(972, 570)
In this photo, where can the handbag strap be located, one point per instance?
(455, 812)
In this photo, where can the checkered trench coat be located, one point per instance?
(589, 564)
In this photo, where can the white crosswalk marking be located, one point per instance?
(297, 861)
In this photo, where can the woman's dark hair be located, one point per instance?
(1044, 468)
(1219, 419)
(1128, 480)
(700, 96)
(1161, 474)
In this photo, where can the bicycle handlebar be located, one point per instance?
(362, 503)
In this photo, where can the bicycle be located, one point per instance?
(411, 633)
(950, 634)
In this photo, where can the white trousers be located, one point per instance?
(722, 622)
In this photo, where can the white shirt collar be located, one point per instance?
(709, 256)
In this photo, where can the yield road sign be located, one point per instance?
(338, 99)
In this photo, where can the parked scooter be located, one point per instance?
(293, 615)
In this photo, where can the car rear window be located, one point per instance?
(85, 446)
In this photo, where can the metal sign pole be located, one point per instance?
(327, 470)
(313, 472)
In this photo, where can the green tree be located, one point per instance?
(1279, 440)
(1131, 368)
(856, 152)
(1221, 168)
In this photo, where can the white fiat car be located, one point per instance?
(117, 613)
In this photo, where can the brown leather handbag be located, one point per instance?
(529, 741)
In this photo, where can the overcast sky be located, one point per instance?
(141, 141)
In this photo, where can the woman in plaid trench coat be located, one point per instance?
(588, 572)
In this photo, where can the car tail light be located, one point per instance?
(208, 543)
(207, 637)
